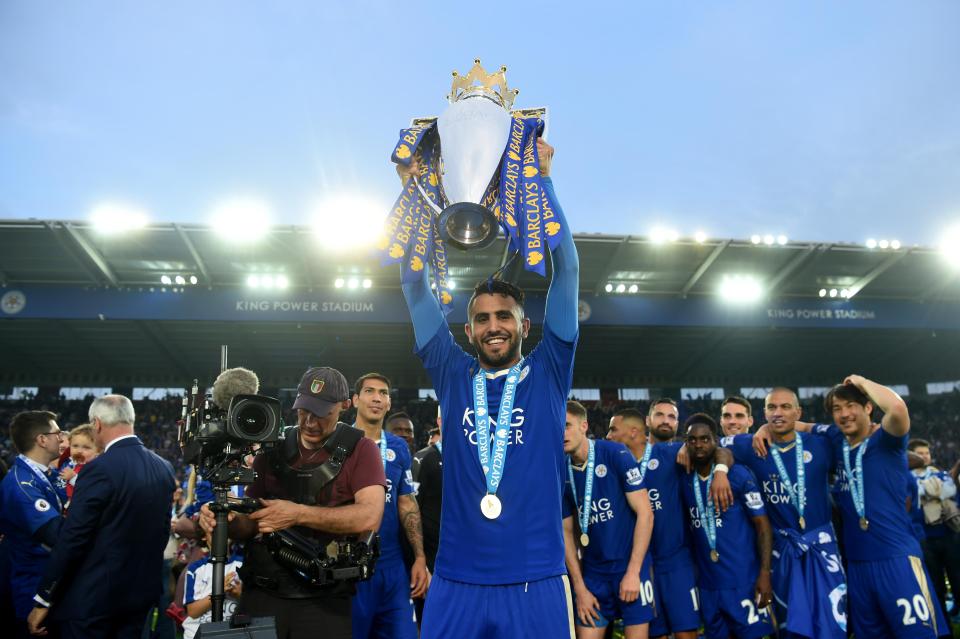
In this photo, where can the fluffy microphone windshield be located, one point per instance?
(233, 382)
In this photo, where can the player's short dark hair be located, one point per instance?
(701, 418)
(25, 426)
(847, 393)
(631, 414)
(496, 287)
(914, 444)
(576, 409)
(433, 431)
(662, 400)
(363, 378)
(740, 401)
(399, 415)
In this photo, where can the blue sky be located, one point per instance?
(820, 120)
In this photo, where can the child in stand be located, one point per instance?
(198, 589)
(83, 450)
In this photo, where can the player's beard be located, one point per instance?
(663, 433)
(498, 361)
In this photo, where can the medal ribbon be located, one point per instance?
(493, 462)
(707, 515)
(47, 481)
(856, 481)
(647, 451)
(383, 449)
(439, 446)
(587, 487)
(798, 491)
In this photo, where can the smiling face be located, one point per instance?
(373, 400)
(851, 417)
(734, 419)
(782, 410)
(662, 421)
(496, 329)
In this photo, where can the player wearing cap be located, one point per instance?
(383, 605)
(500, 567)
(351, 503)
(808, 578)
(732, 547)
(606, 495)
(30, 508)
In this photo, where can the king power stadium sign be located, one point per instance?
(388, 306)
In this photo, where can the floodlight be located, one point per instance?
(768, 240)
(193, 279)
(662, 235)
(833, 292)
(353, 282)
(241, 220)
(884, 244)
(608, 288)
(113, 218)
(755, 239)
(633, 288)
(950, 245)
(253, 281)
(740, 289)
(823, 292)
(895, 245)
(782, 240)
(347, 221)
(165, 279)
(338, 283)
(179, 279)
(871, 243)
(281, 281)
(451, 285)
(700, 237)
(621, 288)
(844, 293)
(367, 283)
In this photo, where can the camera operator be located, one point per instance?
(350, 504)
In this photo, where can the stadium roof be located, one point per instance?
(168, 353)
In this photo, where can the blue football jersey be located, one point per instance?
(917, 521)
(27, 502)
(525, 543)
(670, 543)
(889, 532)
(736, 539)
(612, 521)
(399, 482)
(819, 459)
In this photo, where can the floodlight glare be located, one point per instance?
(768, 240)
(833, 292)
(662, 235)
(193, 279)
(740, 289)
(353, 282)
(782, 240)
(253, 281)
(884, 244)
(338, 283)
(633, 288)
(895, 245)
(621, 288)
(700, 237)
(367, 283)
(165, 279)
(755, 239)
(113, 218)
(241, 220)
(844, 293)
(281, 281)
(823, 292)
(179, 279)
(608, 288)
(950, 245)
(266, 281)
(347, 221)
(451, 285)
(871, 243)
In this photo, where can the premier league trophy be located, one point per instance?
(477, 171)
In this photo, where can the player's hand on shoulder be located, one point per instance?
(761, 440)
(721, 492)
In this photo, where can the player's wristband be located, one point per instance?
(721, 468)
(40, 602)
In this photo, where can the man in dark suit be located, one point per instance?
(101, 578)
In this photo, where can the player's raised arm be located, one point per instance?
(896, 418)
(563, 295)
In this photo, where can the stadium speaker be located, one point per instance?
(240, 627)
